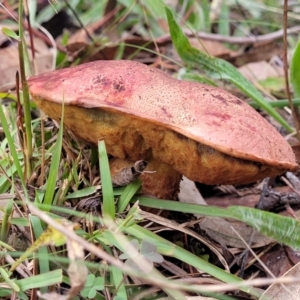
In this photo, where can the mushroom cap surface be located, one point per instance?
(206, 115)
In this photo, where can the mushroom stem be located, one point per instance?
(158, 179)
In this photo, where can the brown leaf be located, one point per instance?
(213, 48)
(10, 62)
(220, 230)
(287, 291)
(276, 261)
(260, 70)
(256, 52)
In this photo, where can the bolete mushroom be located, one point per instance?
(179, 127)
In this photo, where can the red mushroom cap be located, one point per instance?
(204, 114)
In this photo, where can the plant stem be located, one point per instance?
(26, 101)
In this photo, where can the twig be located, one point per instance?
(78, 20)
(235, 39)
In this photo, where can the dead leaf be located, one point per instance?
(171, 224)
(293, 255)
(249, 200)
(189, 192)
(277, 261)
(259, 51)
(9, 62)
(220, 230)
(4, 199)
(287, 291)
(261, 70)
(212, 48)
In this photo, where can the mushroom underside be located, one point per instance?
(132, 138)
(129, 137)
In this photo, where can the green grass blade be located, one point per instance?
(165, 247)
(217, 67)
(12, 147)
(279, 103)
(54, 167)
(83, 192)
(127, 194)
(6, 246)
(198, 78)
(10, 282)
(183, 207)
(107, 189)
(285, 230)
(118, 282)
(9, 171)
(10, 33)
(42, 280)
(24, 59)
(5, 222)
(121, 242)
(19, 221)
(294, 71)
(42, 251)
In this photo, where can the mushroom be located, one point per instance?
(179, 127)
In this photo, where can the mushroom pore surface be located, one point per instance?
(203, 132)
